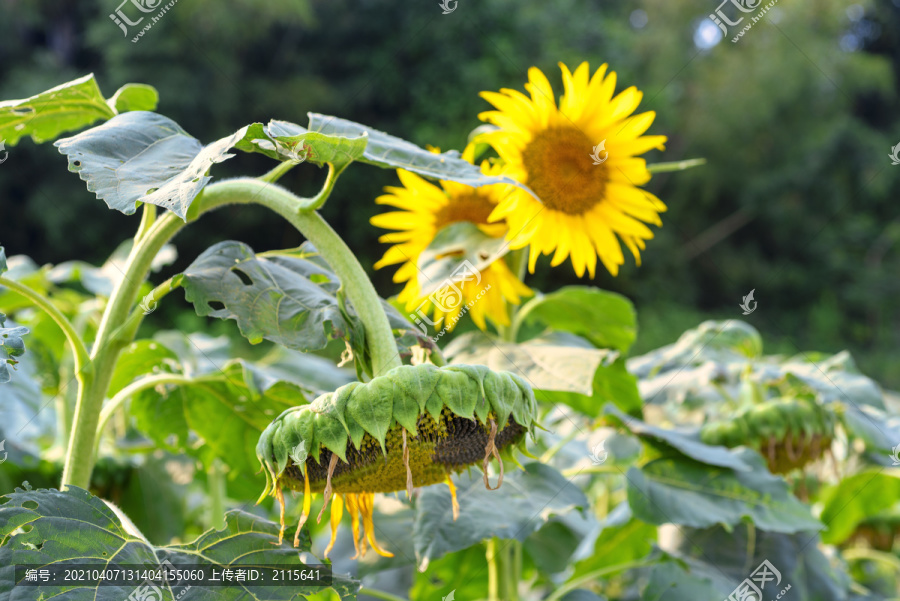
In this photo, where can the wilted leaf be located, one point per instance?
(681, 491)
(553, 363)
(684, 442)
(144, 157)
(605, 318)
(452, 246)
(69, 106)
(285, 299)
(524, 503)
(52, 518)
(388, 151)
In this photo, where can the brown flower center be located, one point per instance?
(471, 207)
(561, 171)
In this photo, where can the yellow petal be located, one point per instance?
(337, 510)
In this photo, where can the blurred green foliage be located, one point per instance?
(796, 119)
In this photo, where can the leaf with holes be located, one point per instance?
(66, 107)
(388, 151)
(144, 157)
(49, 527)
(286, 299)
(686, 492)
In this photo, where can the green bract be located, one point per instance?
(426, 401)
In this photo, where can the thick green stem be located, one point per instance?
(148, 218)
(360, 292)
(493, 570)
(80, 454)
(82, 359)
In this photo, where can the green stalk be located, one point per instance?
(134, 388)
(148, 218)
(493, 570)
(80, 454)
(675, 165)
(127, 330)
(331, 247)
(216, 479)
(371, 592)
(590, 577)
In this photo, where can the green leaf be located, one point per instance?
(607, 319)
(134, 97)
(285, 299)
(879, 430)
(670, 581)
(726, 557)
(681, 491)
(11, 346)
(287, 141)
(460, 245)
(854, 499)
(144, 157)
(685, 443)
(553, 363)
(622, 540)
(49, 518)
(139, 358)
(525, 502)
(66, 107)
(27, 423)
(228, 408)
(388, 151)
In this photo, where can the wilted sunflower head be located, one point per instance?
(414, 426)
(581, 159)
(425, 208)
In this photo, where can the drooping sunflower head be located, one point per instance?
(580, 157)
(425, 208)
(414, 426)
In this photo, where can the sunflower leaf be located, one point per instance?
(458, 247)
(855, 499)
(286, 299)
(685, 492)
(607, 319)
(390, 152)
(134, 97)
(528, 499)
(287, 141)
(36, 528)
(141, 156)
(11, 346)
(45, 116)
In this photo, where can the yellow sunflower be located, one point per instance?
(580, 158)
(425, 208)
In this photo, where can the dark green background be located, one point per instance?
(797, 119)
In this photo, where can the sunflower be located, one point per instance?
(414, 426)
(581, 159)
(425, 208)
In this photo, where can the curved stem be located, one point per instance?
(127, 330)
(371, 592)
(520, 315)
(675, 165)
(82, 358)
(80, 454)
(331, 247)
(134, 388)
(148, 217)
